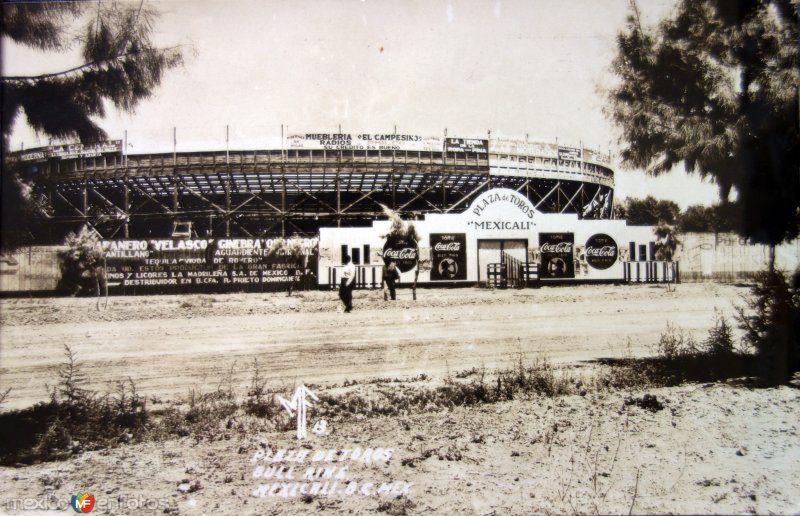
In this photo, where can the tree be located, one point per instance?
(717, 218)
(714, 87)
(119, 66)
(83, 264)
(650, 211)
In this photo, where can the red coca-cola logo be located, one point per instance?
(601, 251)
(403, 253)
(561, 247)
(449, 246)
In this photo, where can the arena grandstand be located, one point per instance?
(310, 181)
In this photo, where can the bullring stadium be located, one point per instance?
(311, 181)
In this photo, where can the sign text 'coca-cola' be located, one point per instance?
(561, 247)
(407, 253)
(601, 251)
(449, 246)
(403, 252)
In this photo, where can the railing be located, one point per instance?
(496, 275)
(530, 274)
(512, 272)
(367, 276)
(652, 272)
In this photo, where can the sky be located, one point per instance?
(530, 68)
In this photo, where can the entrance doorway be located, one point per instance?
(492, 251)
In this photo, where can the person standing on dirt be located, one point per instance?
(390, 278)
(347, 284)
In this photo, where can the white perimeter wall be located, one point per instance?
(499, 214)
(728, 257)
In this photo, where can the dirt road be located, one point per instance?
(169, 344)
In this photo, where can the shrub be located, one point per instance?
(720, 339)
(675, 344)
(771, 324)
(259, 401)
(82, 264)
(74, 419)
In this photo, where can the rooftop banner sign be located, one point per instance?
(571, 153)
(72, 150)
(365, 141)
(466, 145)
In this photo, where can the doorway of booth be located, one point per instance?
(492, 251)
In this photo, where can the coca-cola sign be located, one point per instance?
(450, 246)
(561, 247)
(404, 253)
(557, 260)
(448, 256)
(601, 251)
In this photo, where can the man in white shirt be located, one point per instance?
(347, 284)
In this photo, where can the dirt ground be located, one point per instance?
(713, 448)
(169, 344)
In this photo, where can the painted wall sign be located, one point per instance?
(557, 255)
(204, 265)
(501, 209)
(448, 256)
(601, 251)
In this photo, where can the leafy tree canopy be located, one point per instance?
(120, 64)
(648, 211)
(715, 87)
(718, 218)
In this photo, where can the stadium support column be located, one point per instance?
(174, 173)
(283, 206)
(227, 184)
(392, 179)
(126, 188)
(443, 175)
(85, 198)
(126, 207)
(338, 199)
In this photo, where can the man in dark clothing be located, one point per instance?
(390, 278)
(347, 284)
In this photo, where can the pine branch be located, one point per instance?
(94, 65)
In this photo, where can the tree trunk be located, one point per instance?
(771, 258)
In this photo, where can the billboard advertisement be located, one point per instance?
(557, 255)
(448, 256)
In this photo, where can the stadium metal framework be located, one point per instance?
(312, 181)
